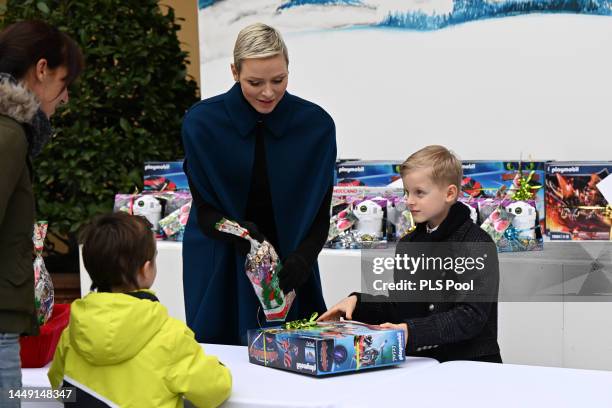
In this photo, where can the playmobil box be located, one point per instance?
(575, 208)
(494, 179)
(156, 206)
(366, 217)
(327, 347)
(165, 176)
(512, 224)
(372, 173)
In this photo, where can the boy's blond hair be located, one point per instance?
(445, 167)
(258, 41)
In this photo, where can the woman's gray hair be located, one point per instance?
(258, 41)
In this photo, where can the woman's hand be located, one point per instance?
(344, 308)
(294, 273)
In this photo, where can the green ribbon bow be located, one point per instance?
(302, 323)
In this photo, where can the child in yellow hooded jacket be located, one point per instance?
(121, 347)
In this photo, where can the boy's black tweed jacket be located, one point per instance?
(458, 330)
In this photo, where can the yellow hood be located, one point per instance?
(103, 329)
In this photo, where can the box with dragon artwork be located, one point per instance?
(575, 208)
(324, 348)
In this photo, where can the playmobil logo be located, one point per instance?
(470, 166)
(157, 167)
(306, 366)
(351, 169)
(562, 170)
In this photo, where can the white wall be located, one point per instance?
(533, 86)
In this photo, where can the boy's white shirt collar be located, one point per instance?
(430, 230)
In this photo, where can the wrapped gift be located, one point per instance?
(261, 266)
(43, 286)
(503, 179)
(322, 348)
(575, 208)
(38, 351)
(512, 224)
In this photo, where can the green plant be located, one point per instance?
(125, 109)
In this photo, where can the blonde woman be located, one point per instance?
(263, 157)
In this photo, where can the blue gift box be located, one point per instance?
(327, 348)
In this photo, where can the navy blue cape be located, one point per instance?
(219, 140)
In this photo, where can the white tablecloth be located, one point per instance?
(258, 387)
(419, 382)
(460, 384)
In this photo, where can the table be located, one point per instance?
(559, 334)
(461, 384)
(258, 387)
(419, 382)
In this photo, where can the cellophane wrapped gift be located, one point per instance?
(512, 224)
(323, 348)
(174, 224)
(43, 286)
(261, 266)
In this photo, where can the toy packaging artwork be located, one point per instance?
(173, 226)
(512, 224)
(325, 348)
(367, 217)
(262, 266)
(498, 179)
(165, 176)
(575, 208)
(154, 206)
(368, 173)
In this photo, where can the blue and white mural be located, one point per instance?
(398, 74)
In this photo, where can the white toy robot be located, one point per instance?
(369, 220)
(150, 208)
(524, 219)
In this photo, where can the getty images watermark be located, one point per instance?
(475, 272)
(432, 272)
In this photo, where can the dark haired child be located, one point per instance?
(121, 348)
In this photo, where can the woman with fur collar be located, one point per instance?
(37, 65)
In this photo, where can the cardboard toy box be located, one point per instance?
(327, 348)
(484, 178)
(575, 208)
(165, 176)
(511, 224)
(372, 173)
(365, 217)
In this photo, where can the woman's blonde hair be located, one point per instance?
(258, 41)
(445, 167)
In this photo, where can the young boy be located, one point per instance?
(121, 348)
(461, 327)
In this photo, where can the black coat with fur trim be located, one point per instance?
(454, 330)
(17, 310)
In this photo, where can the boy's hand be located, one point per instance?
(344, 308)
(401, 326)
